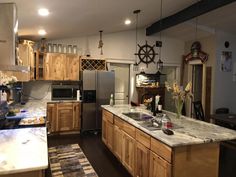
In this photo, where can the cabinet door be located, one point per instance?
(128, 152)
(52, 117)
(117, 144)
(109, 133)
(158, 166)
(142, 161)
(104, 129)
(76, 116)
(54, 66)
(65, 116)
(71, 67)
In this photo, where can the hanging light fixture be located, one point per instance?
(160, 62)
(136, 12)
(100, 43)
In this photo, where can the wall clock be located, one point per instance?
(146, 54)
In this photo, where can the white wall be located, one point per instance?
(225, 88)
(121, 46)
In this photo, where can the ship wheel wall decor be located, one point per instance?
(146, 54)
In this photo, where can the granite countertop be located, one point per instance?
(190, 131)
(23, 150)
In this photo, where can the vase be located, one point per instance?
(179, 106)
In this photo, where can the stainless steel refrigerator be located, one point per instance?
(97, 89)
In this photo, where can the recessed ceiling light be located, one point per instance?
(127, 21)
(43, 12)
(42, 32)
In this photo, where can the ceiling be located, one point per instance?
(223, 19)
(75, 18)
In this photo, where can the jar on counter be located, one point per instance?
(166, 122)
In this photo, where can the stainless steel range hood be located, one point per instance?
(8, 35)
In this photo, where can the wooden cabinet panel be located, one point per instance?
(129, 129)
(161, 149)
(109, 116)
(72, 67)
(76, 116)
(109, 134)
(104, 128)
(143, 138)
(52, 117)
(54, 66)
(117, 144)
(63, 116)
(128, 152)
(118, 122)
(142, 161)
(158, 166)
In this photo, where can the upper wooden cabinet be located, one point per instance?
(57, 66)
(72, 67)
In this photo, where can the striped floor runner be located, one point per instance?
(69, 161)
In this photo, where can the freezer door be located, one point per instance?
(89, 80)
(105, 87)
(89, 116)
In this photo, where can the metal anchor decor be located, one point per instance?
(146, 54)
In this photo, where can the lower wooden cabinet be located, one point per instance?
(63, 117)
(142, 160)
(104, 129)
(128, 152)
(158, 166)
(117, 144)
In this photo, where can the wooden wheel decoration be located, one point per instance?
(146, 54)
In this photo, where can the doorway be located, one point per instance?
(122, 80)
(197, 81)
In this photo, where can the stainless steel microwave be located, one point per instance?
(64, 92)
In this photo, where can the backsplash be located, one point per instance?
(37, 90)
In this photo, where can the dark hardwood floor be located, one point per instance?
(102, 160)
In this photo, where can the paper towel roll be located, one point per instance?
(78, 95)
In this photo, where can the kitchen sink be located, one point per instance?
(138, 116)
(149, 125)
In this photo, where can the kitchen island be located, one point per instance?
(193, 150)
(24, 151)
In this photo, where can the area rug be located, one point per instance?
(69, 161)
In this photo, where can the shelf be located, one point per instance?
(93, 64)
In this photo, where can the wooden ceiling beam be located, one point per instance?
(186, 14)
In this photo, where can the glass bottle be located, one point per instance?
(111, 100)
(166, 122)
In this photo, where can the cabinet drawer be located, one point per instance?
(161, 149)
(129, 129)
(118, 122)
(143, 138)
(108, 115)
(65, 105)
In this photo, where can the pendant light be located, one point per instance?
(160, 62)
(136, 12)
(100, 43)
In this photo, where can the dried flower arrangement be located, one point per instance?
(179, 95)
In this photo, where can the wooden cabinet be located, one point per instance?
(107, 129)
(117, 144)
(142, 161)
(39, 65)
(54, 65)
(128, 152)
(158, 166)
(26, 57)
(63, 117)
(59, 66)
(52, 117)
(72, 67)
